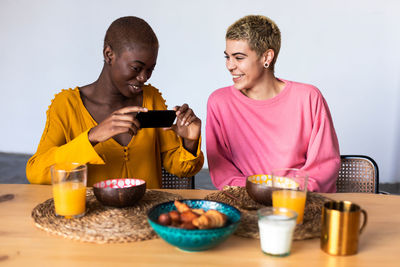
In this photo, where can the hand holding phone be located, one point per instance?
(188, 127)
(156, 118)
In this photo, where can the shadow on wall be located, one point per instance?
(396, 157)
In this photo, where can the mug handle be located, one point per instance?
(365, 221)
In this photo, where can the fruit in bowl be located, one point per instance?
(187, 218)
(119, 192)
(215, 225)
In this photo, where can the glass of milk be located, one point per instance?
(276, 227)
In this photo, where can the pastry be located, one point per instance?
(181, 207)
(210, 219)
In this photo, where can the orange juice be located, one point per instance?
(290, 199)
(69, 198)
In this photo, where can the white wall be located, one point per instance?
(349, 49)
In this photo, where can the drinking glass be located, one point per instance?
(69, 189)
(276, 227)
(290, 190)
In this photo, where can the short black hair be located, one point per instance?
(125, 32)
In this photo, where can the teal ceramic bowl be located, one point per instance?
(195, 240)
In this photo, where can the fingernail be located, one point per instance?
(187, 123)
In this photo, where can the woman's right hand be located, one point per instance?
(120, 121)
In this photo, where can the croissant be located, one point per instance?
(181, 207)
(188, 216)
(210, 219)
(217, 218)
(202, 222)
(198, 211)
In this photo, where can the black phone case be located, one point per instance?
(156, 118)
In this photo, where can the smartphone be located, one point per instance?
(156, 118)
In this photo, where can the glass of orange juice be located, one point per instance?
(69, 189)
(290, 190)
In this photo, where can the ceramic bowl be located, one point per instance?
(119, 192)
(195, 240)
(259, 187)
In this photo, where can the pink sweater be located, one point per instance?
(292, 130)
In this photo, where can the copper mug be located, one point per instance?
(340, 227)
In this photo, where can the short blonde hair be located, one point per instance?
(260, 32)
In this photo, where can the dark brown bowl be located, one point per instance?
(259, 187)
(119, 192)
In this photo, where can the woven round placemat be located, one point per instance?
(248, 227)
(102, 224)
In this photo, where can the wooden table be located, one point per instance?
(22, 244)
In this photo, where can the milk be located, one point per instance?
(276, 232)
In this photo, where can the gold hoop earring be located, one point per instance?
(266, 65)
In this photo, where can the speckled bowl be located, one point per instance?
(119, 192)
(194, 240)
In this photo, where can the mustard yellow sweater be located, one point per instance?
(65, 139)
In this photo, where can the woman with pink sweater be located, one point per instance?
(261, 122)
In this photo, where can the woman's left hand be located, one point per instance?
(188, 125)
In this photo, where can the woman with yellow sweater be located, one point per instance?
(96, 125)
